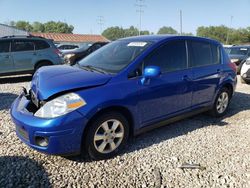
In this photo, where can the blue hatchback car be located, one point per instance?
(125, 88)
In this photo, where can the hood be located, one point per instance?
(240, 57)
(51, 80)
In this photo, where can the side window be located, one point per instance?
(22, 45)
(169, 57)
(61, 47)
(201, 54)
(40, 45)
(4, 46)
(97, 46)
(215, 53)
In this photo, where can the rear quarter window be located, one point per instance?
(203, 53)
(22, 45)
(40, 45)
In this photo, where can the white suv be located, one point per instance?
(245, 72)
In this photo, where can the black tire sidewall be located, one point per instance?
(89, 144)
(39, 65)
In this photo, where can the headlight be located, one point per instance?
(234, 60)
(68, 56)
(60, 106)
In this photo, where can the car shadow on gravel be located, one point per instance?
(16, 79)
(6, 100)
(22, 172)
(239, 103)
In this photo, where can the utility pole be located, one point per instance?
(231, 21)
(180, 22)
(100, 22)
(140, 4)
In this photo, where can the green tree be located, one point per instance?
(167, 30)
(48, 27)
(215, 32)
(23, 25)
(57, 27)
(225, 34)
(146, 32)
(38, 27)
(113, 33)
(132, 31)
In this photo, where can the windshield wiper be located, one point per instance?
(92, 68)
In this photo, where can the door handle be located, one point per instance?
(187, 78)
(7, 56)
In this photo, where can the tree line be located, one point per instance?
(48, 27)
(221, 33)
(225, 35)
(114, 33)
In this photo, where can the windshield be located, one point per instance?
(115, 56)
(227, 49)
(238, 51)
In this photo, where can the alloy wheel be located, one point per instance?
(108, 136)
(222, 102)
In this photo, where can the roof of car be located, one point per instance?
(158, 38)
(22, 37)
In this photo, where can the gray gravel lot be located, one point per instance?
(221, 146)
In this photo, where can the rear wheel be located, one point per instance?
(42, 64)
(107, 135)
(221, 103)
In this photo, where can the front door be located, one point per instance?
(171, 93)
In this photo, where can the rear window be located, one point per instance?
(203, 53)
(22, 45)
(40, 45)
(4, 46)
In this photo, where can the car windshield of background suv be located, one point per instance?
(239, 51)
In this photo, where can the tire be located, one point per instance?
(242, 81)
(42, 64)
(221, 103)
(101, 142)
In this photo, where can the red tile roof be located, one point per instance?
(65, 37)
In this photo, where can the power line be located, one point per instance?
(100, 22)
(140, 4)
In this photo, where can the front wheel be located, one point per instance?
(221, 103)
(107, 135)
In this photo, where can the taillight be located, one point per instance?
(232, 66)
(58, 52)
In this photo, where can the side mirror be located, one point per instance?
(149, 73)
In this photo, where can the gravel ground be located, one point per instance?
(220, 146)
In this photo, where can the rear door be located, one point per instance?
(23, 54)
(171, 93)
(6, 63)
(207, 70)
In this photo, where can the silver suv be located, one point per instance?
(26, 54)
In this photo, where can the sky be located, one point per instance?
(83, 14)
